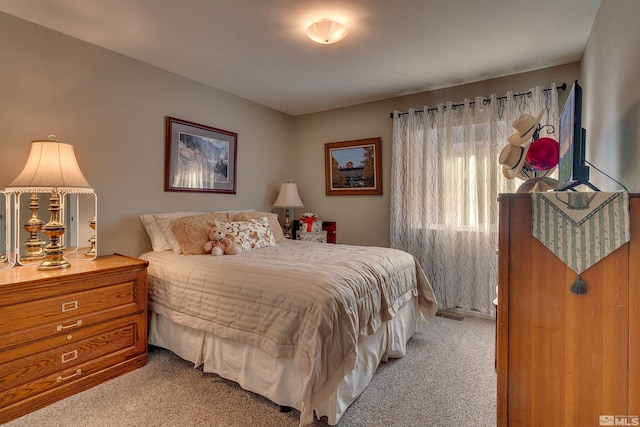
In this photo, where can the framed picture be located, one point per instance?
(199, 158)
(353, 167)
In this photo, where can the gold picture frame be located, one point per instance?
(353, 167)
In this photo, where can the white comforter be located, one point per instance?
(301, 300)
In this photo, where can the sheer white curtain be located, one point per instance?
(445, 180)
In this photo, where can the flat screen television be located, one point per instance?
(572, 168)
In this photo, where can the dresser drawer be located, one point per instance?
(62, 314)
(92, 349)
(63, 331)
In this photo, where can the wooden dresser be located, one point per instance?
(565, 359)
(64, 331)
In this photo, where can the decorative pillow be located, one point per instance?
(164, 224)
(276, 230)
(158, 242)
(251, 234)
(191, 231)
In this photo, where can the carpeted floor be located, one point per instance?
(446, 379)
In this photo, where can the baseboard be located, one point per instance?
(460, 314)
(449, 314)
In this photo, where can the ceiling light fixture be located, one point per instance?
(327, 31)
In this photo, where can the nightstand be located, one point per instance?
(64, 331)
(328, 226)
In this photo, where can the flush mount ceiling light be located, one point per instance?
(327, 31)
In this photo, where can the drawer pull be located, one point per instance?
(69, 306)
(60, 378)
(68, 357)
(60, 327)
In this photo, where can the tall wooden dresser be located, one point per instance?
(565, 359)
(64, 331)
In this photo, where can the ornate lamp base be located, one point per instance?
(33, 246)
(54, 229)
(286, 227)
(54, 262)
(92, 241)
(33, 250)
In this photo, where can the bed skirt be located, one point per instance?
(278, 379)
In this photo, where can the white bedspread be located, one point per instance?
(301, 300)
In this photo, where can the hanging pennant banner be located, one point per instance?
(580, 228)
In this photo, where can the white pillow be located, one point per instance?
(158, 242)
(158, 227)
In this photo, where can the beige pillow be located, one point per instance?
(276, 230)
(163, 221)
(157, 227)
(232, 212)
(191, 231)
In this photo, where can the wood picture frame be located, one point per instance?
(199, 158)
(353, 167)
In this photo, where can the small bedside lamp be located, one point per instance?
(288, 198)
(51, 168)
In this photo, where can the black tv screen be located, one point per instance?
(572, 169)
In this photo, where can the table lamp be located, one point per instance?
(288, 198)
(51, 168)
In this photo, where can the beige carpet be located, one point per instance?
(446, 379)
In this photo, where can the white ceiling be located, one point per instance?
(258, 50)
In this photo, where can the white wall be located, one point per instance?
(111, 109)
(611, 92)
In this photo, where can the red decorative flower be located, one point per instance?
(543, 154)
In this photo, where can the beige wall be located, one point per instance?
(611, 92)
(112, 108)
(364, 220)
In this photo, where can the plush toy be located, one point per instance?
(220, 242)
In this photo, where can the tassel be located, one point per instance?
(579, 287)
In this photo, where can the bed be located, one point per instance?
(304, 324)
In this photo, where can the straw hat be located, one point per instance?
(525, 126)
(512, 157)
(540, 184)
(527, 172)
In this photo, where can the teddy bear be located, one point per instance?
(220, 242)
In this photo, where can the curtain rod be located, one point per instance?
(563, 86)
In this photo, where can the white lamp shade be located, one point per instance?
(288, 196)
(51, 165)
(327, 31)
